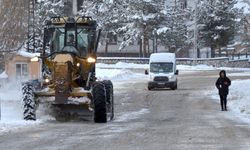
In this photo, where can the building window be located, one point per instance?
(21, 71)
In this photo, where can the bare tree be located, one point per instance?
(13, 24)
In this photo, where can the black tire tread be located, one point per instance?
(29, 106)
(99, 99)
(109, 96)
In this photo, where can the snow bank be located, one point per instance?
(11, 108)
(3, 75)
(238, 98)
(233, 69)
(123, 65)
(117, 74)
(241, 74)
(195, 68)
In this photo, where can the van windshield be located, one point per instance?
(161, 67)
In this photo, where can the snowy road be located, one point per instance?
(145, 120)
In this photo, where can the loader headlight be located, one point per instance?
(78, 64)
(46, 80)
(34, 59)
(91, 60)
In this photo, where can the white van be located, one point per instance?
(162, 71)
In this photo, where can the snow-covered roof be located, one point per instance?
(162, 57)
(3, 75)
(27, 54)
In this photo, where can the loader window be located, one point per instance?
(161, 67)
(58, 40)
(82, 41)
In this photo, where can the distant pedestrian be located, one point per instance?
(222, 84)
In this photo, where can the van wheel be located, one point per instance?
(174, 87)
(150, 88)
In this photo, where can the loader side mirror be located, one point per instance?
(146, 72)
(177, 72)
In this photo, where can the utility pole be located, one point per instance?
(74, 7)
(68, 7)
(195, 34)
(71, 7)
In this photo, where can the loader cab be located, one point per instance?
(70, 35)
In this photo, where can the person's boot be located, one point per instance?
(222, 108)
(225, 108)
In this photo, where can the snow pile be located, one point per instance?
(241, 74)
(11, 108)
(117, 74)
(238, 98)
(123, 65)
(234, 69)
(195, 68)
(3, 75)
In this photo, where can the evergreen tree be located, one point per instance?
(173, 30)
(217, 23)
(142, 18)
(45, 9)
(108, 15)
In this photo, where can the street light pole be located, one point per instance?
(195, 34)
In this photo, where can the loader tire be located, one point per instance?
(29, 105)
(110, 97)
(99, 99)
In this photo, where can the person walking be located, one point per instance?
(222, 84)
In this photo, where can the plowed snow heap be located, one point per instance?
(68, 85)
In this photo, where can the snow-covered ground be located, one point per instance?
(122, 65)
(11, 108)
(10, 93)
(11, 104)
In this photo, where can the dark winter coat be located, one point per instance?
(223, 83)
